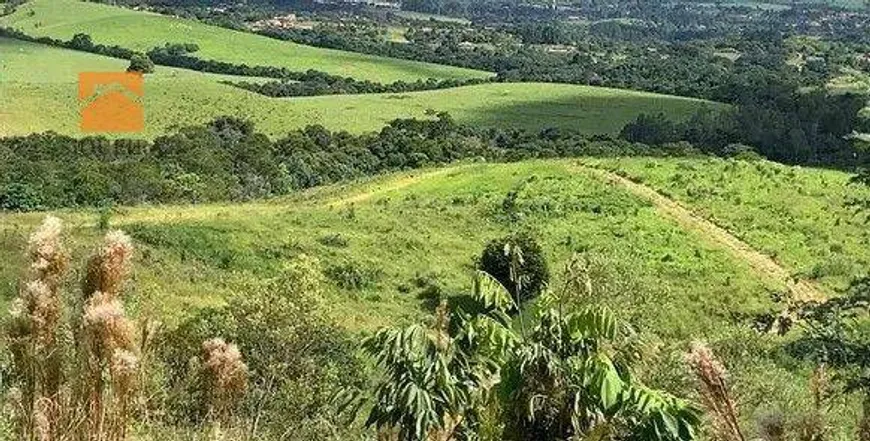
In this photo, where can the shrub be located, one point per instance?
(353, 276)
(296, 359)
(20, 197)
(141, 63)
(335, 240)
(533, 271)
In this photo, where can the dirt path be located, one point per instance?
(801, 290)
(253, 209)
(392, 185)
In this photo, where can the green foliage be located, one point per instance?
(532, 272)
(104, 218)
(353, 276)
(565, 379)
(651, 129)
(141, 63)
(18, 196)
(297, 358)
(334, 240)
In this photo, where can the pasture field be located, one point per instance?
(39, 87)
(674, 284)
(142, 31)
(798, 216)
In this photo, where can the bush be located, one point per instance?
(335, 240)
(533, 271)
(353, 276)
(20, 197)
(297, 358)
(141, 63)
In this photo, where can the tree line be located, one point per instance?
(316, 83)
(812, 128)
(227, 159)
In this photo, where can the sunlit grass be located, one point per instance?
(142, 31)
(799, 216)
(38, 85)
(415, 235)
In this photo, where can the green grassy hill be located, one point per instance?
(412, 237)
(142, 31)
(38, 84)
(797, 215)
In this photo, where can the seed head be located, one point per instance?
(42, 306)
(225, 370)
(45, 248)
(714, 392)
(106, 326)
(110, 265)
(124, 366)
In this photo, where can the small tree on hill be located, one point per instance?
(568, 378)
(141, 63)
(518, 263)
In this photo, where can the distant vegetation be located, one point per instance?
(309, 83)
(33, 78)
(142, 31)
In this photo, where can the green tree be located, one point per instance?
(565, 379)
(141, 63)
(517, 261)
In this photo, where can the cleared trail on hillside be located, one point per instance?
(396, 184)
(801, 290)
(226, 211)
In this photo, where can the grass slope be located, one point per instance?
(38, 84)
(798, 216)
(142, 31)
(411, 238)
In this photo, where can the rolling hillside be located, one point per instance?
(675, 281)
(39, 87)
(797, 215)
(142, 31)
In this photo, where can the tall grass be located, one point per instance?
(713, 388)
(33, 331)
(77, 379)
(226, 378)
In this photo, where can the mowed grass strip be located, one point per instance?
(142, 31)
(38, 85)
